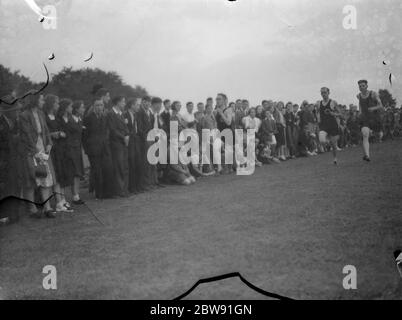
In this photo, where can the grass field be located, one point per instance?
(288, 229)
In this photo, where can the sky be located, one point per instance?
(189, 50)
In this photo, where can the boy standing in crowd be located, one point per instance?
(119, 140)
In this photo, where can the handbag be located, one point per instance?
(40, 169)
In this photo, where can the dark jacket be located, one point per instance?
(95, 135)
(73, 132)
(267, 130)
(165, 116)
(132, 123)
(145, 123)
(290, 119)
(5, 137)
(117, 128)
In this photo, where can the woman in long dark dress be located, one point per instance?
(74, 128)
(61, 174)
(96, 146)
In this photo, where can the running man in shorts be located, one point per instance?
(370, 118)
(329, 128)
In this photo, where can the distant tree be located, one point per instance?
(69, 83)
(13, 83)
(386, 98)
(79, 84)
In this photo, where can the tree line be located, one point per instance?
(68, 83)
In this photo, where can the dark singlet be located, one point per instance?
(221, 123)
(328, 121)
(365, 104)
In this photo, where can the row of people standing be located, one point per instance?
(44, 150)
(283, 131)
(44, 140)
(50, 134)
(115, 140)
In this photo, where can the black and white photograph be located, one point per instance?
(218, 151)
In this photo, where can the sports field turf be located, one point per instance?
(288, 229)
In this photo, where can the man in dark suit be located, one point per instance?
(145, 124)
(165, 116)
(119, 140)
(135, 160)
(156, 106)
(97, 147)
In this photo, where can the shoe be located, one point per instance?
(78, 202)
(68, 206)
(63, 209)
(50, 214)
(335, 162)
(366, 158)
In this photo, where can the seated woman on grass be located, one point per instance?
(178, 174)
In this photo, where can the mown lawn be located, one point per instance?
(289, 229)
